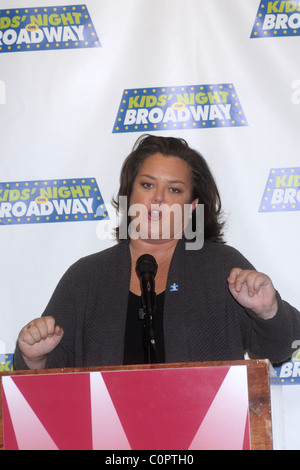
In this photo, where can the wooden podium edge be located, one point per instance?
(258, 373)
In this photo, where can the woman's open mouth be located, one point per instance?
(154, 215)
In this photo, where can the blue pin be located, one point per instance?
(174, 287)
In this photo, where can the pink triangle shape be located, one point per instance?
(29, 432)
(223, 427)
(107, 430)
(162, 409)
(62, 404)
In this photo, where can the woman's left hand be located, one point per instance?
(255, 291)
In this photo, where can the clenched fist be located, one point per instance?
(37, 339)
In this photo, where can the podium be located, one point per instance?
(186, 406)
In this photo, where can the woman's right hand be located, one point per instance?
(37, 339)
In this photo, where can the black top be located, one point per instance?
(134, 351)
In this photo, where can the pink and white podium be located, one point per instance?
(194, 406)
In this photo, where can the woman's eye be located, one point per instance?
(147, 185)
(175, 190)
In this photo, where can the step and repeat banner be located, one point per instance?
(80, 82)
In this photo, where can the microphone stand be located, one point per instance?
(148, 313)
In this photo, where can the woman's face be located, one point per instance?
(160, 191)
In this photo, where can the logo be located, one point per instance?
(289, 372)
(174, 287)
(46, 28)
(282, 192)
(32, 202)
(6, 362)
(181, 107)
(277, 18)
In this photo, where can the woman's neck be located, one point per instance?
(160, 250)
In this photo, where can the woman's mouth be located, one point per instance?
(154, 215)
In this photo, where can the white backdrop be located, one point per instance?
(64, 74)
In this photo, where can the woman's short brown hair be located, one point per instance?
(204, 187)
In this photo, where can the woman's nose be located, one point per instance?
(158, 196)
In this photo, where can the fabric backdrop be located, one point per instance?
(79, 83)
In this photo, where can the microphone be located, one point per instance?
(146, 268)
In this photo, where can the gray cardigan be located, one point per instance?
(202, 321)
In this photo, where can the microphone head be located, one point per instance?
(146, 264)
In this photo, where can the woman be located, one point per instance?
(211, 304)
